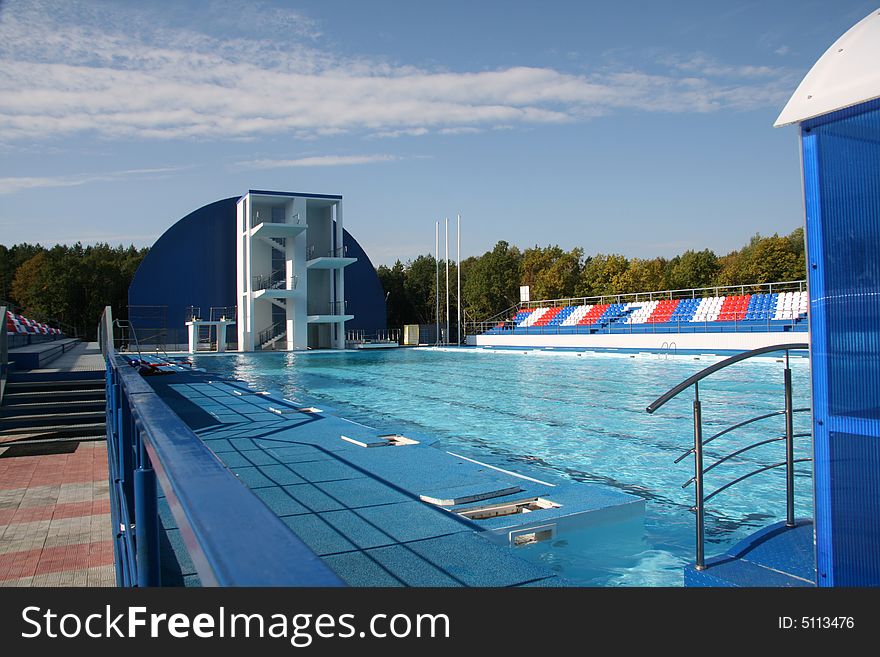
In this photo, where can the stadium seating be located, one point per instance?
(745, 309)
(20, 325)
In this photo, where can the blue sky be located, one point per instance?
(640, 128)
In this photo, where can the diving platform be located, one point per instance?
(329, 319)
(329, 262)
(277, 230)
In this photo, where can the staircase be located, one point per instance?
(271, 342)
(270, 337)
(42, 408)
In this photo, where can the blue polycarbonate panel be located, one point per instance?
(842, 198)
(855, 458)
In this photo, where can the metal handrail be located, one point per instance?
(754, 472)
(273, 281)
(126, 325)
(277, 329)
(720, 365)
(737, 426)
(697, 450)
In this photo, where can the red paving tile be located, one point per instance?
(86, 464)
(56, 511)
(27, 563)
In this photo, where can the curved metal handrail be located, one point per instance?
(752, 473)
(737, 426)
(699, 442)
(720, 365)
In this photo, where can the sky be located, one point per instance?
(634, 127)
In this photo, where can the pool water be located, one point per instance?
(580, 418)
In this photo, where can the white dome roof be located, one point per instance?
(846, 75)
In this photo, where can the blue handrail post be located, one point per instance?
(146, 514)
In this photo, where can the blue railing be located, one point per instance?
(232, 538)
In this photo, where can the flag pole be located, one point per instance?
(437, 285)
(458, 276)
(447, 280)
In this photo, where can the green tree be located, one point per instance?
(420, 288)
(602, 274)
(551, 272)
(644, 276)
(492, 282)
(772, 259)
(693, 269)
(397, 306)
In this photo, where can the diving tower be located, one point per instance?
(291, 257)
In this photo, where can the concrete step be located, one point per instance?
(46, 432)
(50, 420)
(15, 398)
(9, 442)
(271, 342)
(21, 384)
(52, 405)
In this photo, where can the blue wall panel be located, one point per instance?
(193, 264)
(842, 196)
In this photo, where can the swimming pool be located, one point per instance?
(582, 418)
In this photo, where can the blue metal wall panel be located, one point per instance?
(841, 155)
(194, 262)
(191, 264)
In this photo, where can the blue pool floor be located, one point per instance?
(363, 509)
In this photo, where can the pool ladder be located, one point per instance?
(700, 498)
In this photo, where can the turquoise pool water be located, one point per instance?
(576, 418)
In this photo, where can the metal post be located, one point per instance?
(146, 514)
(458, 276)
(437, 284)
(698, 475)
(789, 448)
(447, 280)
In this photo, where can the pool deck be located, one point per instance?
(379, 514)
(777, 556)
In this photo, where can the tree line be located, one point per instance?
(68, 284)
(491, 282)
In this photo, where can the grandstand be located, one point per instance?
(760, 309)
(21, 325)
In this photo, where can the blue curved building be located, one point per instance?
(296, 278)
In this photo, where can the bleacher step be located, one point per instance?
(15, 398)
(19, 384)
(58, 431)
(12, 422)
(50, 405)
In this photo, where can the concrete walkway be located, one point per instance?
(55, 515)
(85, 357)
(55, 525)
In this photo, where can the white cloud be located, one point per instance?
(69, 69)
(14, 184)
(318, 161)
